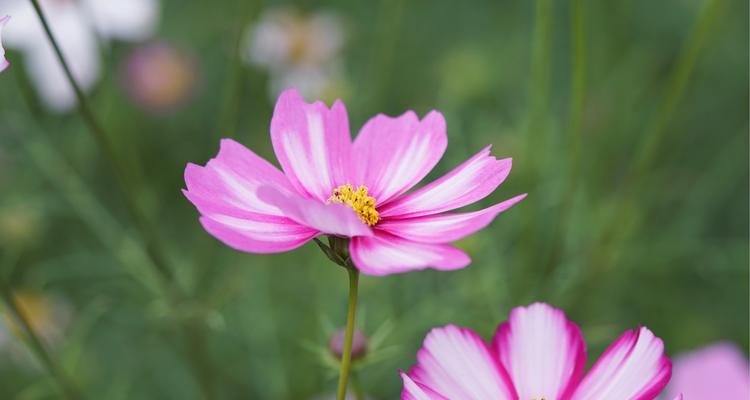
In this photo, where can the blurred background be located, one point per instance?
(627, 123)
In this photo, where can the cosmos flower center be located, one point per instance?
(358, 200)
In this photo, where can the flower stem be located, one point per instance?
(346, 356)
(103, 141)
(37, 347)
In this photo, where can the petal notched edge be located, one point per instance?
(392, 154)
(542, 351)
(471, 181)
(445, 228)
(312, 144)
(633, 367)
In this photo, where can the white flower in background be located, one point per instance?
(3, 62)
(298, 50)
(79, 26)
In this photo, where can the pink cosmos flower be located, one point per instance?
(354, 189)
(718, 371)
(3, 62)
(537, 354)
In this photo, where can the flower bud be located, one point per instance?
(359, 344)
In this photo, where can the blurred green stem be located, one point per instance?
(151, 243)
(621, 225)
(539, 100)
(346, 356)
(678, 81)
(36, 345)
(575, 131)
(127, 189)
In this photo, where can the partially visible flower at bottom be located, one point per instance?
(4, 64)
(717, 371)
(537, 354)
(160, 77)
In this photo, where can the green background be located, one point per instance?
(627, 122)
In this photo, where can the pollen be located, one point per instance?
(358, 200)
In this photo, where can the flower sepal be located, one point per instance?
(337, 250)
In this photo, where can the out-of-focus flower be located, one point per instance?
(359, 344)
(19, 225)
(160, 77)
(298, 50)
(77, 26)
(331, 185)
(537, 354)
(3, 61)
(49, 317)
(717, 371)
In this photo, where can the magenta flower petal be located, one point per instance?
(718, 371)
(415, 391)
(225, 193)
(633, 367)
(312, 144)
(232, 179)
(445, 228)
(384, 254)
(469, 182)
(267, 234)
(543, 353)
(3, 62)
(334, 219)
(394, 154)
(456, 363)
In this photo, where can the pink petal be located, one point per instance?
(445, 228)
(679, 397)
(718, 371)
(542, 351)
(393, 154)
(633, 368)
(312, 144)
(456, 363)
(274, 235)
(416, 391)
(225, 193)
(385, 254)
(469, 182)
(3, 62)
(232, 179)
(334, 219)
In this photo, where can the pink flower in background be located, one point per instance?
(79, 27)
(356, 189)
(4, 64)
(160, 77)
(537, 354)
(718, 371)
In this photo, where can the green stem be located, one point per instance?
(575, 131)
(151, 241)
(37, 347)
(346, 357)
(139, 219)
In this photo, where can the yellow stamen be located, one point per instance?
(358, 200)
